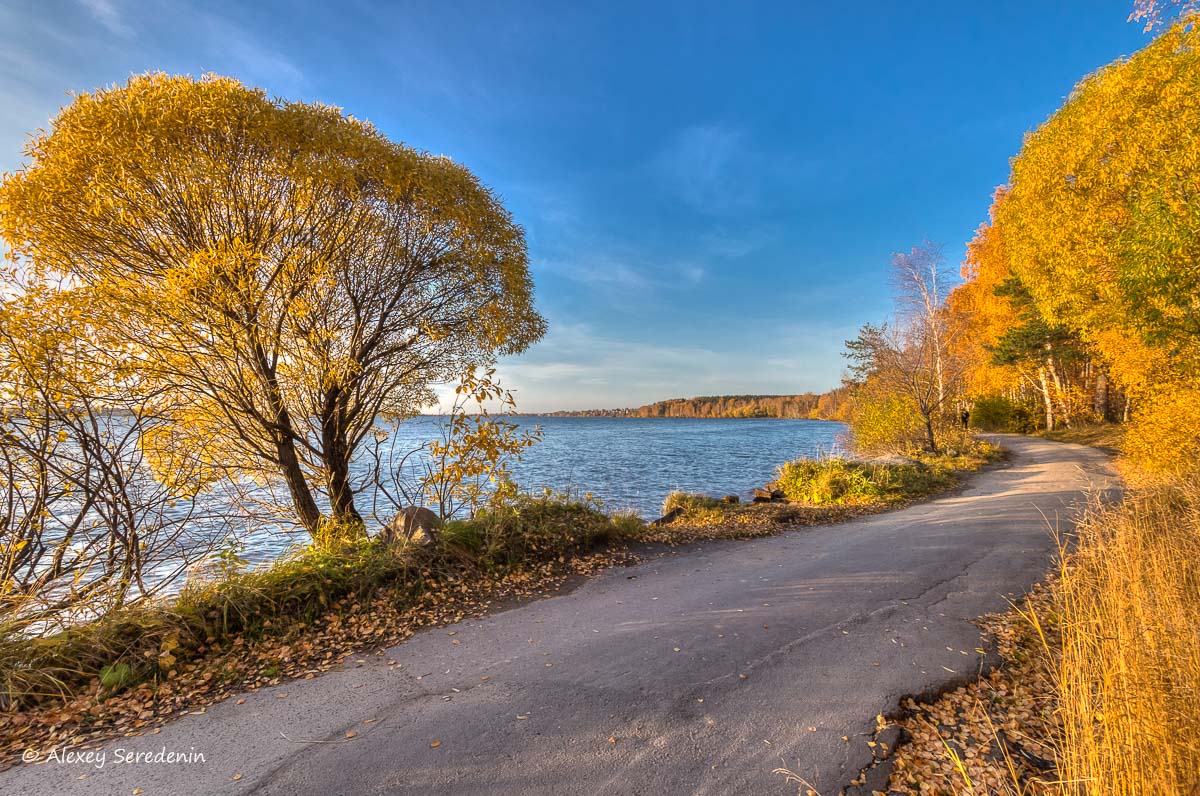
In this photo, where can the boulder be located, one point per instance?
(731, 499)
(670, 515)
(763, 496)
(415, 524)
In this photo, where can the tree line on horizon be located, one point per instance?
(804, 406)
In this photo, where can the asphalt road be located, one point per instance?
(699, 671)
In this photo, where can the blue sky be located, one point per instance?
(711, 191)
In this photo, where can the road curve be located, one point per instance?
(700, 671)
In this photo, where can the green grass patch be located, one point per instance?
(696, 508)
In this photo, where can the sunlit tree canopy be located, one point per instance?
(279, 273)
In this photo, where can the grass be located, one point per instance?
(139, 666)
(1102, 668)
(1128, 677)
(148, 643)
(1107, 436)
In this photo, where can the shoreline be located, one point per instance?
(300, 647)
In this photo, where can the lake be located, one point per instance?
(634, 463)
(628, 464)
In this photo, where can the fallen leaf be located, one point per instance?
(434, 744)
(351, 734)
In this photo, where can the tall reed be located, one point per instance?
(1129, 673)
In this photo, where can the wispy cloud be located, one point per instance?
(105, 12)
(600, 272)
(736, 243)
(578, 367)
(253, 59)
(639, 280)
(705, 165)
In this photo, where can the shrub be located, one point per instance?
(998, 413)
(689, 501)
(698, 509)
(1163, 440)
(826, 481)
(529, 528)
(885, 423)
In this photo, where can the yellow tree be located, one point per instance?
(1101, 221)
(83, 528)
(977, 317)
(1102, 225)
(279, 274)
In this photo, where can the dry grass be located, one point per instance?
(993, 736)
(1107, 436)
(1129, 675)
(1101, 672)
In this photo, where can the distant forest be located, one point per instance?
(824, 406)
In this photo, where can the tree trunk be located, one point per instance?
(1100, 402)
(932, 440)
(285, 445)
(335, 453)
(1059, 392)
(293, 476)
(1044, 385)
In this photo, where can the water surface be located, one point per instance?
(634, 463)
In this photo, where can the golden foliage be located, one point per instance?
(276, 273)
(1100, 225)
(977, 317)
(1101, 218)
